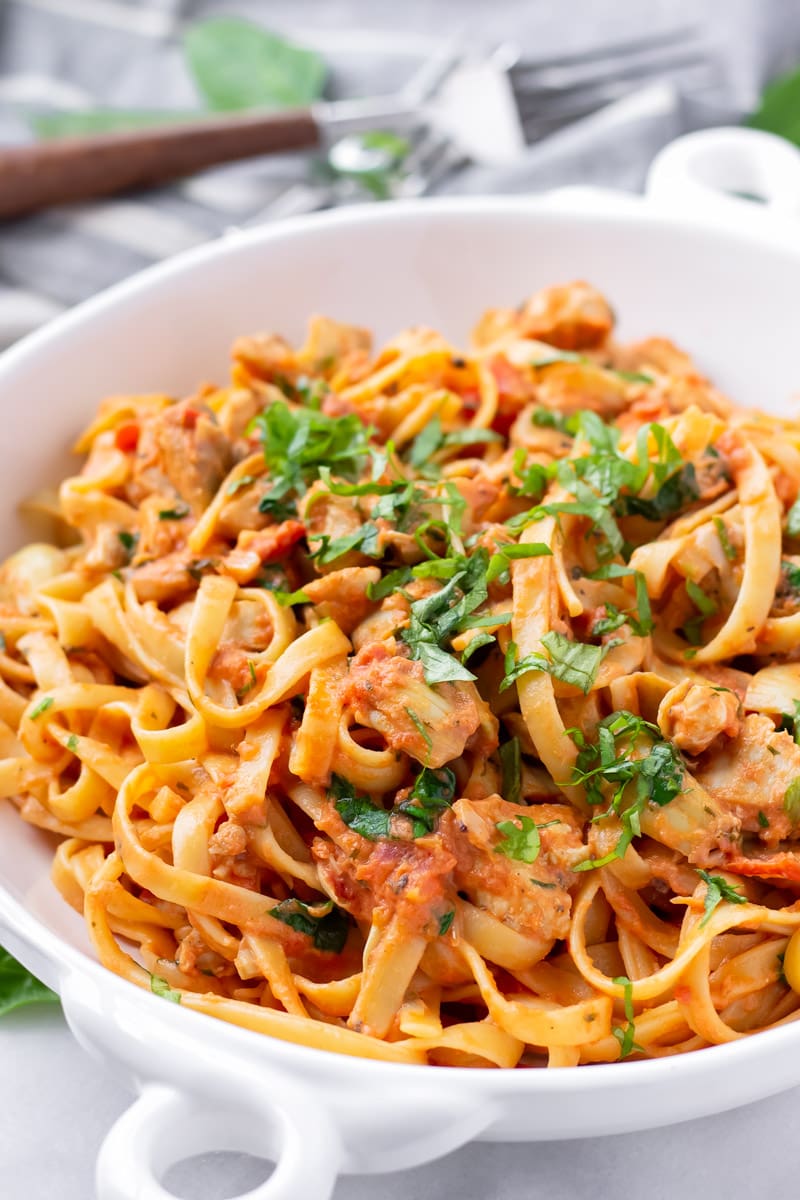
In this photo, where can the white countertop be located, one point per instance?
(56, 1104)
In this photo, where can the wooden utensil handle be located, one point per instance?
(69, 169)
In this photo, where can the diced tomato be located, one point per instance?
(127, 437)
(275, 541)
(189, 417)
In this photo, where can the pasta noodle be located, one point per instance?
(425, 705)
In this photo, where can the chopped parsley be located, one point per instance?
(655, 777)
(717, 889)
(327, 927)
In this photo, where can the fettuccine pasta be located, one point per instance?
(427, 705)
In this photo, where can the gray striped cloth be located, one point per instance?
(126, 53)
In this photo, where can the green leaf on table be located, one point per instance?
(18, 987)
(779, 110)
(236, 64)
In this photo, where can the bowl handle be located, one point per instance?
(739, 177)
(164, 1126)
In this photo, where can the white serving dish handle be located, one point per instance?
(740, 178)
(166, 1125)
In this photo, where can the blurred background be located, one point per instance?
(511, 96)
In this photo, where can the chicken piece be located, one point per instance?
(242, 404)
(574, 316)
(164, 578)
(254, 548)
(749, 777)
(264, 355)
(694, 715)
(328, 516)
(241, 511)
(342, 595)
(572, 386)
(182, 451)
(387, 877)
(388, 692)
(656, 352)
(480, 494)
(531, 897)
(329, 342)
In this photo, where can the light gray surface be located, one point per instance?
(55, 1102)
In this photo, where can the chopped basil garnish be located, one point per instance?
(327, 928)
(717, 889)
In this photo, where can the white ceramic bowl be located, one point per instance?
(728, 289)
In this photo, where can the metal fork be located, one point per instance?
(488, 109)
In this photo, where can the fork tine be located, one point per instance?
(584, 86)
(537, 120)
(561, 79)
(609, 50)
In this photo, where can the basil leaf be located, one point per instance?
(779, 110)
(18, 987)
(328, 931)
(520, 840)
(717, 889)
(575, 663)
(502, 559)
(642, 623)
(626, 1036)
(358, 811)
(511, 764)
(446, 922)
(655, 777)
(160, 987)
(675, 494)
(439, 666)
(477, 643)
(727, 549)
(237, 64)
(173, 514)
(793, 520)
(791, 801)
(431, 795)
